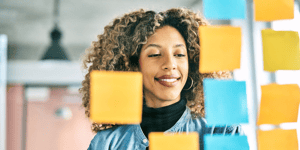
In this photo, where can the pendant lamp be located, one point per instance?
(55, 51)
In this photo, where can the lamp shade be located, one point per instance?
(55, 51)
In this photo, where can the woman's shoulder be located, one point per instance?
(225, 130)
(105, 139)
(107, 132)
(189, 122)
(194, 120)
(218, 129)
(201, 123)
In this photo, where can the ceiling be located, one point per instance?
(28, 23)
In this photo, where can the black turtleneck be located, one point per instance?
(161, 119)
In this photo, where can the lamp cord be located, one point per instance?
(56, 12)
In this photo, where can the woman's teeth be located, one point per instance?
(168, 80)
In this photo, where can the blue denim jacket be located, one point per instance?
(131, 137)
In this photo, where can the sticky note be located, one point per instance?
(269, 10)
(176, 141)
(279, 104)
(116, 97)
(277, 139)
(281, 50)
(219, 142)
(220, 48)
(224, 9)
(225, 102)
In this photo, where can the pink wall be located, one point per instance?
(45, 130)
(14, 116)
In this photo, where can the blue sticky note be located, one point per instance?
(224, 9)
(217, 142)
(225, 102)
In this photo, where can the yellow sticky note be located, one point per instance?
(269, 10)
(281, 50)
(176, 141)
(279, 104)
(220, 48)
(116, 97)
(277, 139)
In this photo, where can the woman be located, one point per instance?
(165, 48)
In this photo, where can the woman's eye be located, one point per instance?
(180, 55)
(154, 55)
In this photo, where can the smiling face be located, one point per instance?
(164, 65)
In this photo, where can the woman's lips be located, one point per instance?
(168, 82)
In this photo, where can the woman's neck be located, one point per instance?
(154, 102)
(161, 119)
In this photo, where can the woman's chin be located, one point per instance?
(170, 98)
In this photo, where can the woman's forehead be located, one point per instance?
(166, 34)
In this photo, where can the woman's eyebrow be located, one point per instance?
(153, 45)
(178, 45)
(158, 46)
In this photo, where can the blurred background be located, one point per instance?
(40, 107)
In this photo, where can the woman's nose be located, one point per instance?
(169, 63)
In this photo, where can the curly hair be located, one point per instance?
(119, 47)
